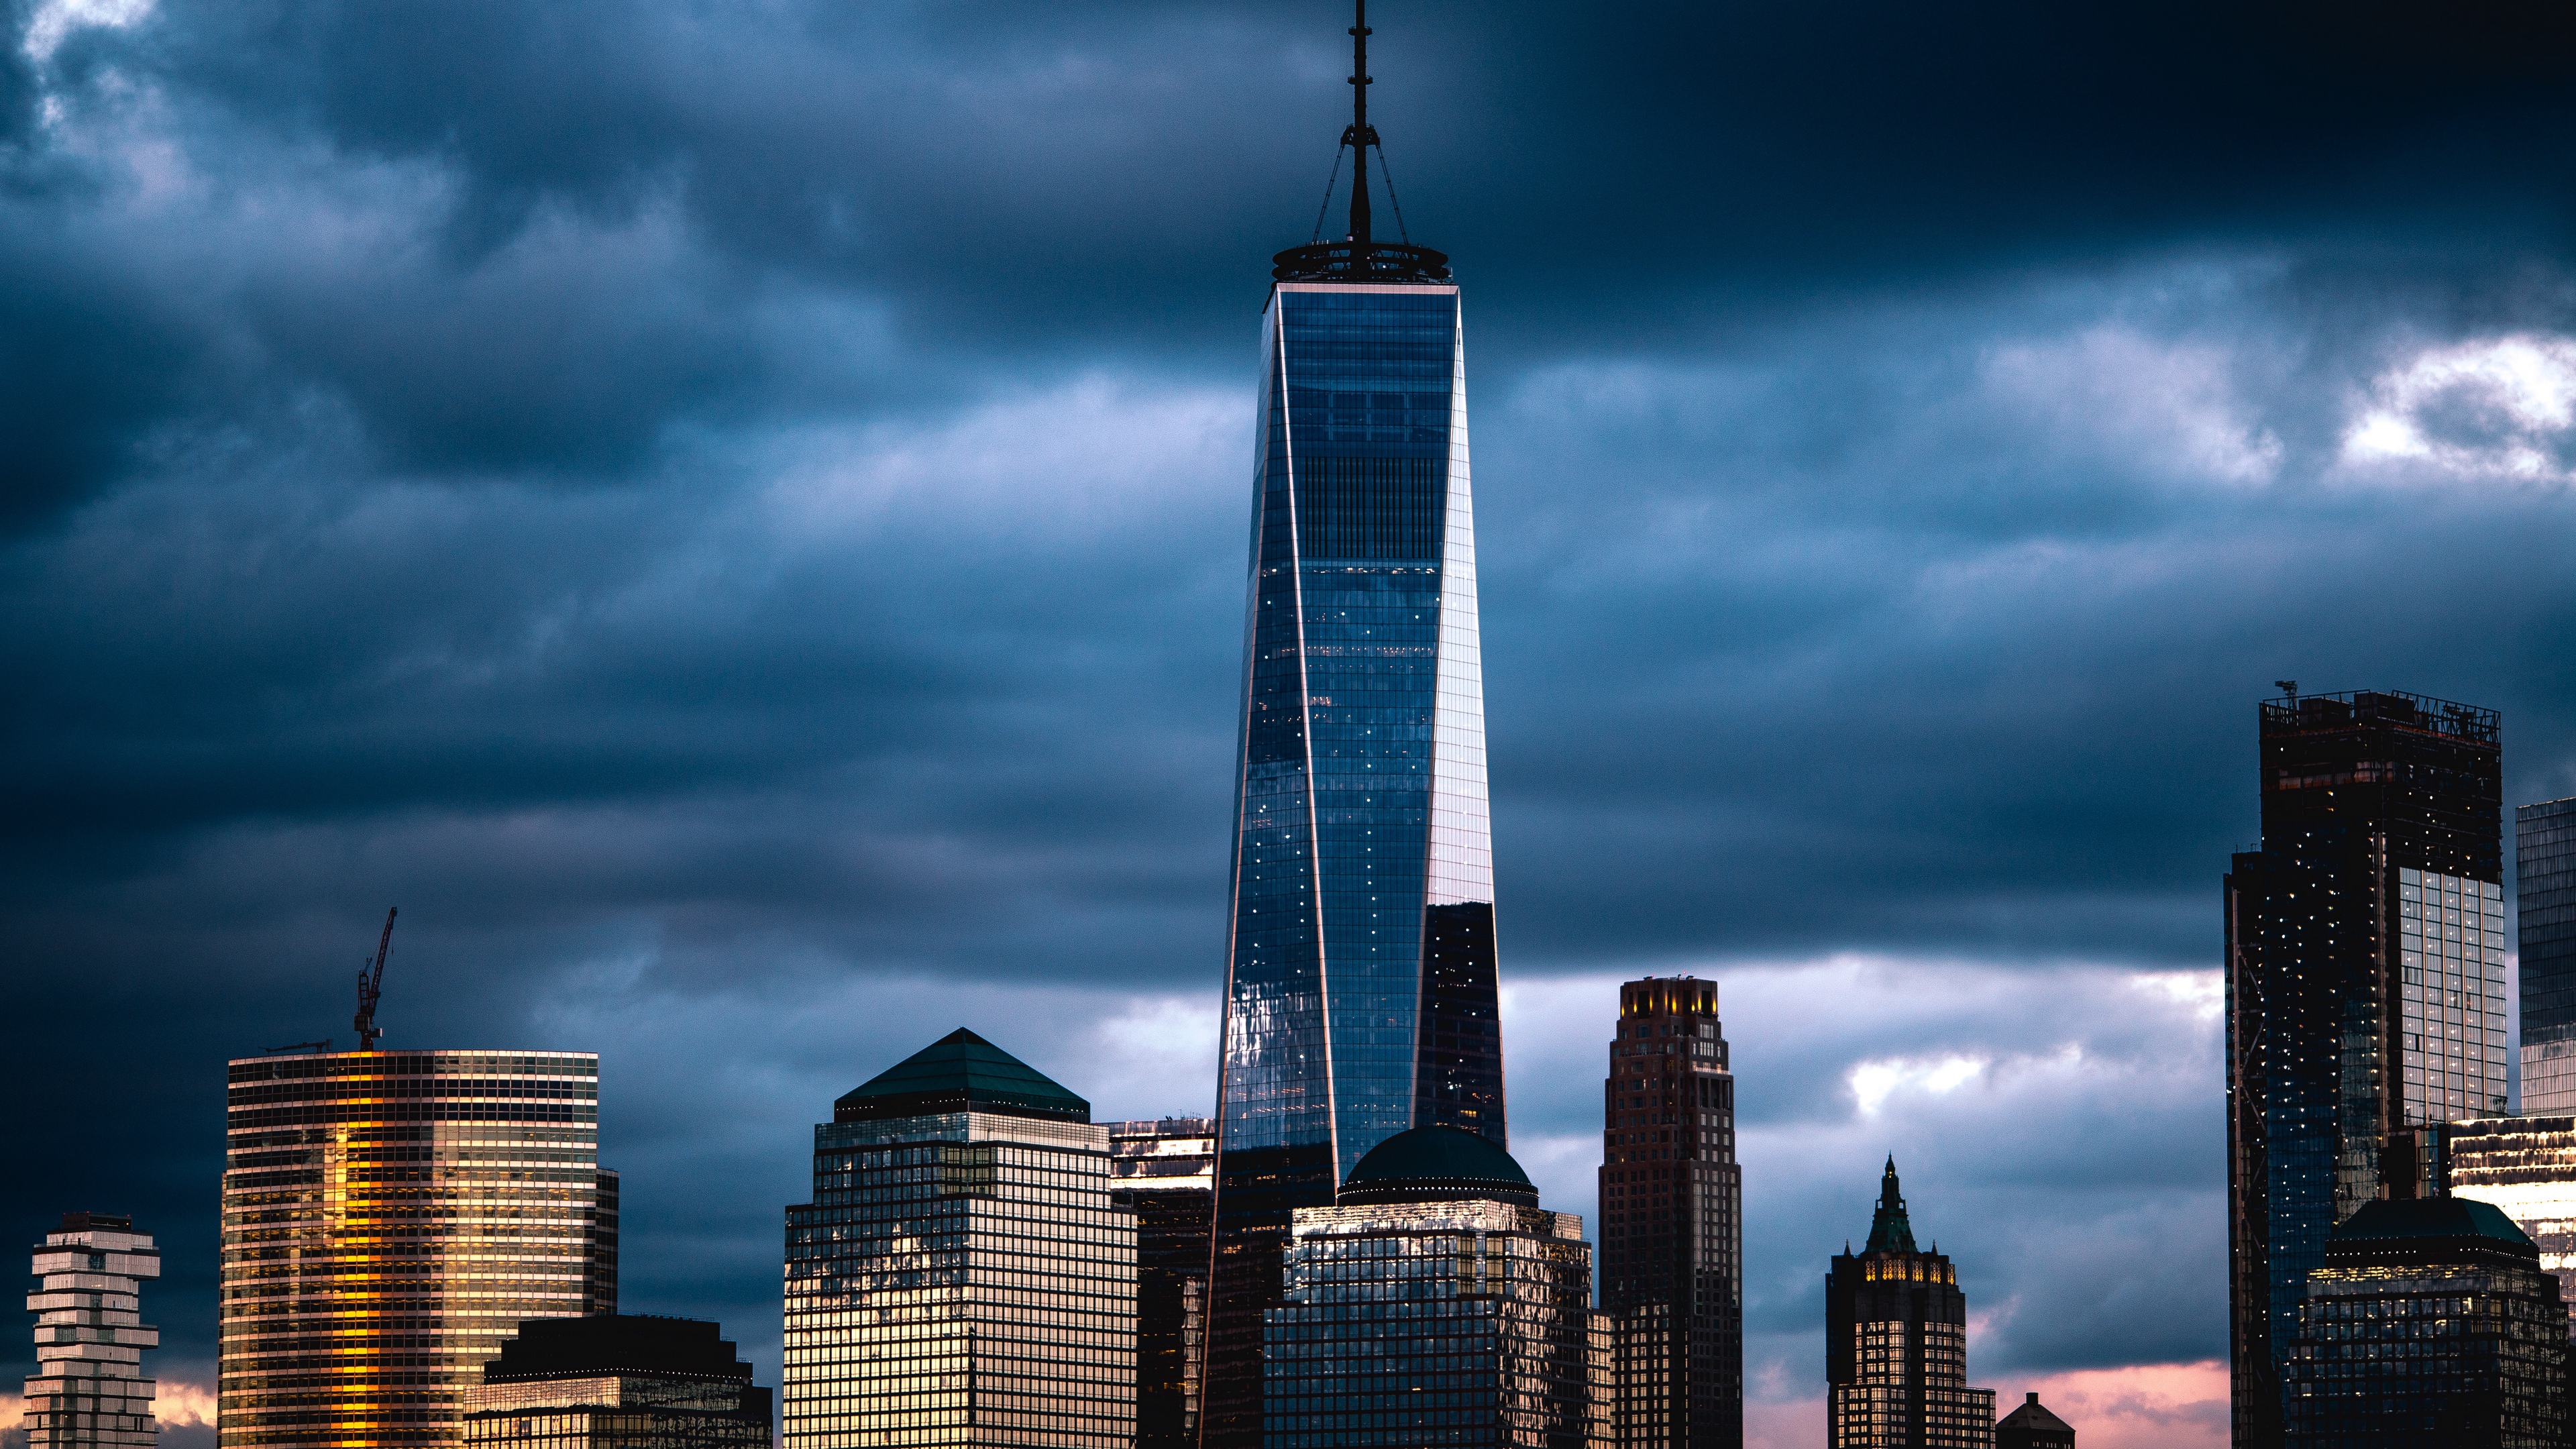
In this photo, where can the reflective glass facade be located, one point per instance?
(2451, 1011)
(2364, 964)
(2422, 1337)
(1672, 1224)
(2525, 1166)
(389, 1219)
(2544, 884)
(1164, 1171)
(88, 1391)
(960, 1278)
(1441, 1323)
(1360, 996)
(611, 1382)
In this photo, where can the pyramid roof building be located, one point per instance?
(960, 1072)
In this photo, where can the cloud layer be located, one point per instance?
(734, 520)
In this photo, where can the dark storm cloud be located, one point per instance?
(734, 519)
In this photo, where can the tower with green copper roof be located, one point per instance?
(1896, 1341)
(960, 1072)
(1889, 1232)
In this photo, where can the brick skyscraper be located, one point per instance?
(1672, 1221)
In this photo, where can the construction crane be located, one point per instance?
(371, 984)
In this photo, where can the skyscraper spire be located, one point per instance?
(1358, 256)
(1359, 135)
(1889, 1231)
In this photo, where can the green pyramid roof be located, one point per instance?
(960, 1072)
(1889, 1229)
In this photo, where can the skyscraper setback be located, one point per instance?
(1672, 1221)
(1360, 992)
(2365, 990)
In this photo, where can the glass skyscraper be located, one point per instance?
(1436, 1304)
(1360, 997)
(389, 1219)
(2365, 991)
(1164, 1171)
(2544, 877)
(961, 1276)
(2526, 1168)
(2427, 1321)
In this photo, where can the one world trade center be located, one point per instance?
(1360, 992)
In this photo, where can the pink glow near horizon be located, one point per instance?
(2146, 1406)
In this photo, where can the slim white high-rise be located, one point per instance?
(88, 1389)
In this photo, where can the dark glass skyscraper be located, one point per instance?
(2365, 980)
(1435, 1304)
(1672, 1221)
(2427, 1322)
(1164, 1171)
(1360, 994)
(2544, 876)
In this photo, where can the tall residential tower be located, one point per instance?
(1672, 1221)
(2365, 991)
(389, 1218)
(1360, 996)
(88, 1391)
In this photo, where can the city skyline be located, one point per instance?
(731, 526)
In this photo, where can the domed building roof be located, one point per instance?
(1436, 1164)
(2429, 1217)
(2418, 1232)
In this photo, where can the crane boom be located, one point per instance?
(371, 984)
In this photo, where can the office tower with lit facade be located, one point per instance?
(1896, 1343)
(613, 1381)
(2428, 1321)
(1435, 1303)
(88, 1391)
(2544, 885)
(961, 1276)
(389, 1219)
(2524, 1167)
(1672, 1226)
(1164, 1171)
(2365, 990)
(1360, 977)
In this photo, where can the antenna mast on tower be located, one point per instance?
(1359, 135)
(1360, 257)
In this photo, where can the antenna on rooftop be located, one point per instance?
(1359, 135)
(2289, 687)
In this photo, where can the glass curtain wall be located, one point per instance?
(1360, 987)
(389, 1217)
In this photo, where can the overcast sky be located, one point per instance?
(733, 516)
